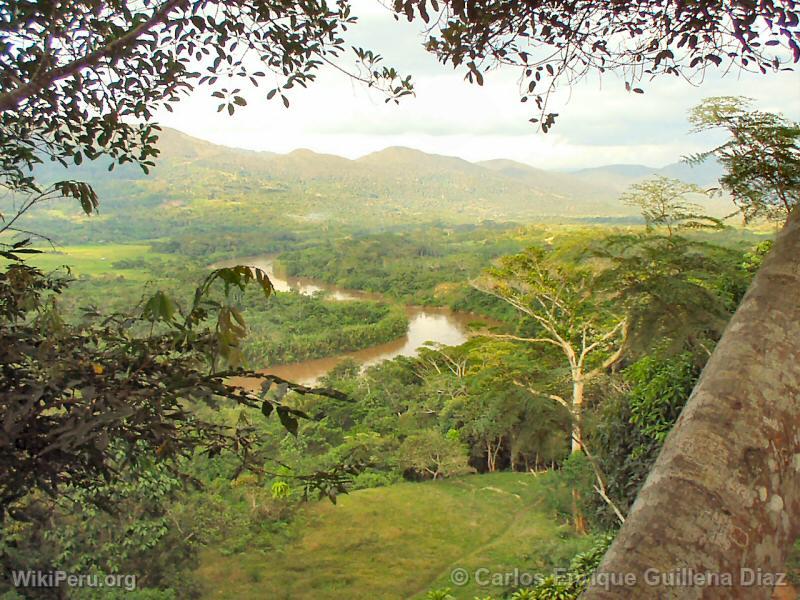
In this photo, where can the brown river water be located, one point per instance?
(425, 324)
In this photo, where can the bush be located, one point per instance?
(430, 453)
(373, 479)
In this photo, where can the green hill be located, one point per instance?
(401, 541)
(202, 189)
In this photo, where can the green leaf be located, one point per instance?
(288, 421)
(159, 307)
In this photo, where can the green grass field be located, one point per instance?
(401, 541)
(97, 260)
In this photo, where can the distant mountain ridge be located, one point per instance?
(396, 184)
(620, 176)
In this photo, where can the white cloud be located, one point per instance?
(598, 124)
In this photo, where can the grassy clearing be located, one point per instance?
(97, 260)
(400, 541)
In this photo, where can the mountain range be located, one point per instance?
(395, 185)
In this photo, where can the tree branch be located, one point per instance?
(600, 488)
(555, 397)
(607, 336)
(615, 356)
(506, 336)
(11, 99)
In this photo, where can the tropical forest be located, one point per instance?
(378, 300)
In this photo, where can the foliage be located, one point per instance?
(568, 584)
(563, 42)
(90, 75)
(72, 394)
(468, 392)
(295, 327)
(431, 453)
(441, 594)
(659, 389)
(673, 288)
(287, 327)
(424, 265)
(139, 536)
(637, 412)
(662, 202)
(565, 306)
(570, 491)
(117, 410)
(761, 158)
(584, 564)
(504, 424)
(571, 584)
(567, 310)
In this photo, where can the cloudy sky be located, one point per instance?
(599, 123)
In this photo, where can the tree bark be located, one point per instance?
(724, 494)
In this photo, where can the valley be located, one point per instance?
(394, 284)
(445, 300)
(261, 202)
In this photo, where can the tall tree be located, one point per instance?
(761, 157)
(663, 203)
(735, 439)
(727, 480)
(568, 313)
(430, 452)
(725, 490)
(677, 291)
(637, 38)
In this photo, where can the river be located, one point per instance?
(425, 324)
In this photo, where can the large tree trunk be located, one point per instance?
(724, 495)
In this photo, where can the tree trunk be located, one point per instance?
(578, 518)
(577, 411)
(491, 456)
(724, 494)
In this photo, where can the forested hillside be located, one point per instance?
(269, 201)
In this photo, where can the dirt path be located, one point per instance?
(461, 560)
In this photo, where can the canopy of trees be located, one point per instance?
(558, 43)
(761, 158)
(81, 80)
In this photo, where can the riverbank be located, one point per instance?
(436, 325)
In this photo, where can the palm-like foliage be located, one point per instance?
(761, 158)
(672, 288)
